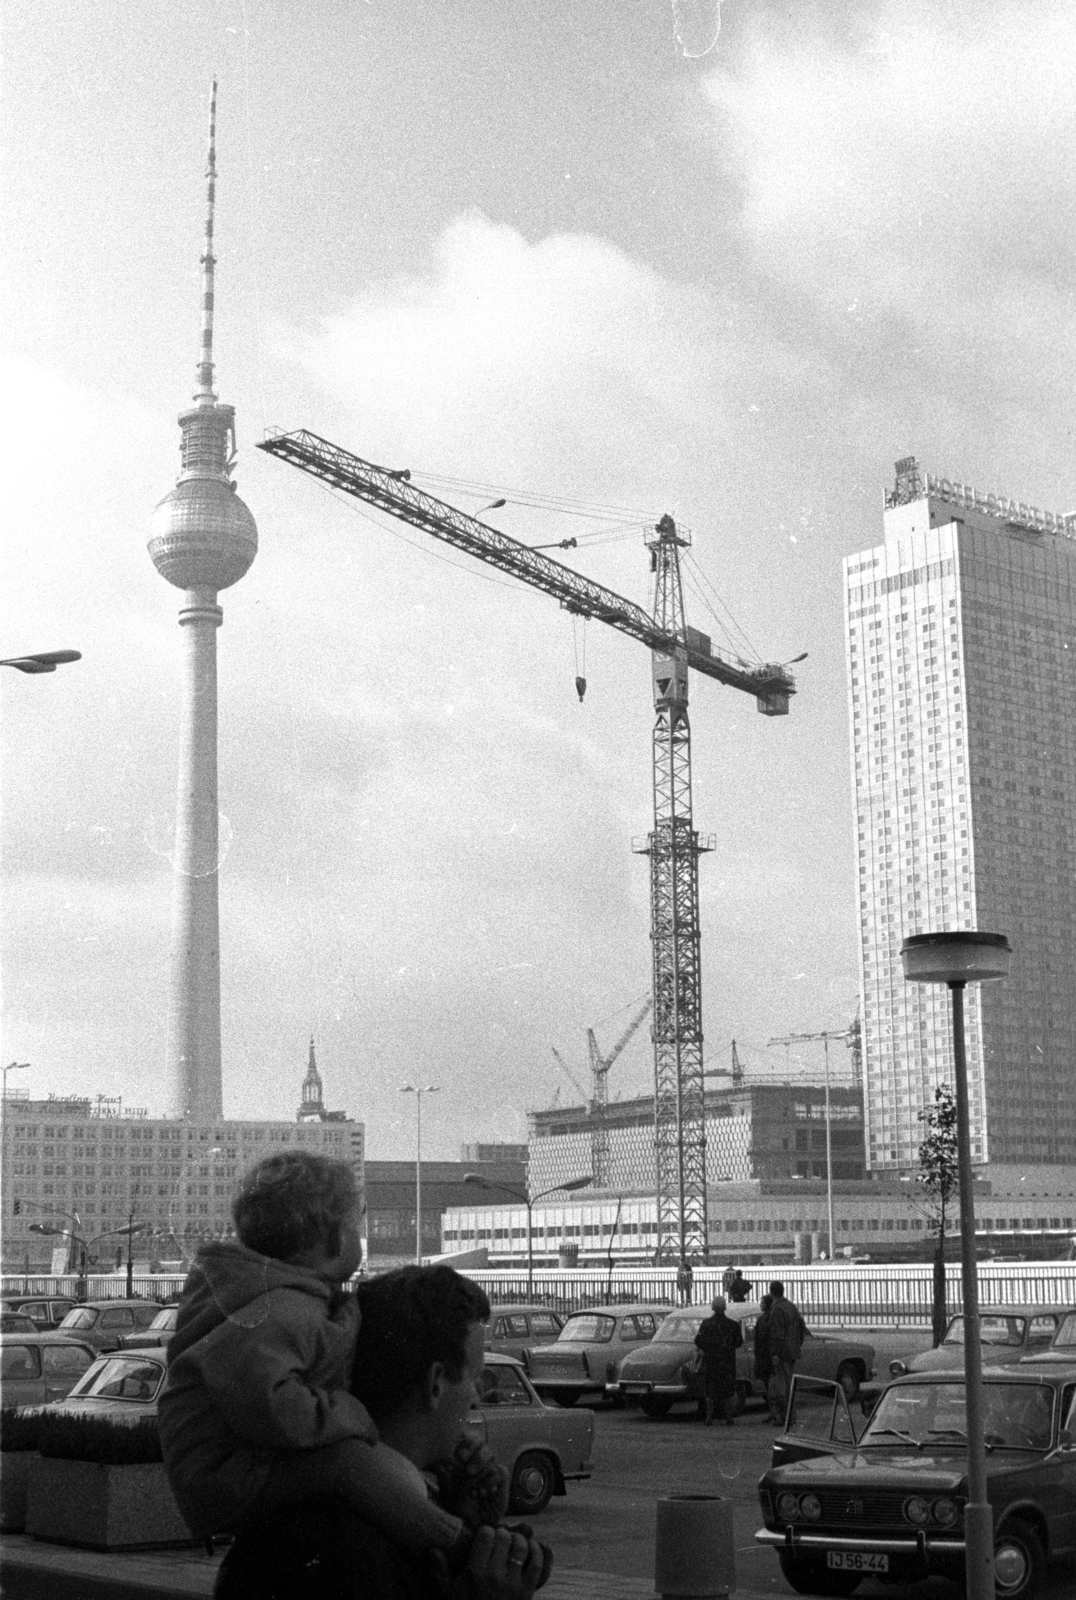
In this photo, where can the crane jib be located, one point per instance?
(392, 492)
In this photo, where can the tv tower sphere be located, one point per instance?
(203, 540)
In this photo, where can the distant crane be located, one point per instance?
(735, 1071)
(674, 846)
(599, 1078)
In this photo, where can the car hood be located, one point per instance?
(656, 1360)
(909, 1471)
(950, 1358)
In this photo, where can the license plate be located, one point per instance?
(856, 1561)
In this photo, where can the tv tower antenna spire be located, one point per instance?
(204, 393)
(204, 539)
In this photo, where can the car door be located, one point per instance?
(63, 1366)
(21, 1381)
(1060, 1465)
(817, 1421)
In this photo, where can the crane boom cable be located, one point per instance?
(392, 492)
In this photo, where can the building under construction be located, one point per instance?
(753, 1131)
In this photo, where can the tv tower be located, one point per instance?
(204, 539)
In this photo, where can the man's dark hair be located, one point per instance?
(777, 1288)
(294, 1202)
(411, 1318)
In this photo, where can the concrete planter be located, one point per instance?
(102, 1507)
(14, 1477)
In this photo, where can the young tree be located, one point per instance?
(938, 1177)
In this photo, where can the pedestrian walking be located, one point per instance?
(719, 1338)
(739, 1289)
(763, 1353)
(685, 1278)
(728, 1278)
(787, 1331)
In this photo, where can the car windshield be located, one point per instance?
(165, 1319)
(993, 1330)
(682, 1325)
(121, 1378)
(1016, 1416)
(587, 1329)
(83, 1317)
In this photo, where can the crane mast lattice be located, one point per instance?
(673, 847)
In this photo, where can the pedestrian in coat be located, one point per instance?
(763, 1353)
(739, 1289)
(719, 1338)
(787, 1333)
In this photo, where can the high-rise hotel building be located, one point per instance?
(961, 639)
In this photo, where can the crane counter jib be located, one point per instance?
(391, 491)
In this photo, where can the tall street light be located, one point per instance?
(42, 661)
(529, 1201)
(130, 1229)
(83, 1246)
(410, 1088)
(957, 959)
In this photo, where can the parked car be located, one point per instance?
(156, 1335)
(1007, 1334)
(1062, 1346)
(44, 1311)
(103, 1323)
(891, 1504)
(37, 1368)
(668, 1370)
(586, 1356)
(16, 1322)
(541, 1447)
(512, 1330)
(121, 1384)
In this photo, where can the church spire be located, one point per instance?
(312, 1105)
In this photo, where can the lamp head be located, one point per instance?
(957, 957)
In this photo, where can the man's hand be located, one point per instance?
(502, 1565)
(473, 1485)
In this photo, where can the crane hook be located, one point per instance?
(580, 688)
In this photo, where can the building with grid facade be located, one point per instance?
(961, 652)
(758, 1131)
(68, 1163)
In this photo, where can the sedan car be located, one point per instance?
(123, 1386)
(540, 1447)
(891, 1504)
(512, 1330)
(1007, 1334)
(669, 1369)
(156, 1336)
(586, 1357)
(37, 1368)
(44, 1311)
(103, 1323)
(16, 1322)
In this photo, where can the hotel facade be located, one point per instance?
(961, 654)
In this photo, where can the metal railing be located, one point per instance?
(853, 1296)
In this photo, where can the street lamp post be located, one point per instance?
(84, 1247)
(529, 1201)
(130, 1230)
(410, 1088)
(957, 959)
(42, 660)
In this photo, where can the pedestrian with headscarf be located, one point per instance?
(719, 1338)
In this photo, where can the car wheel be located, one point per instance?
(655, 1408)
(533, 1480)
(848, 1378)
(564, 1397)
(1018, 1562)
(808, 1575)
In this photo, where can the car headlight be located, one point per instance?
(788, 1507)
(917, 1510)
(945, 1513)
(811, 1507)
(897, 1369)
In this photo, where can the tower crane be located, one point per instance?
(599, 1079)
(674, 846)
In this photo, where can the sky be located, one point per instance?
(564, 252)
